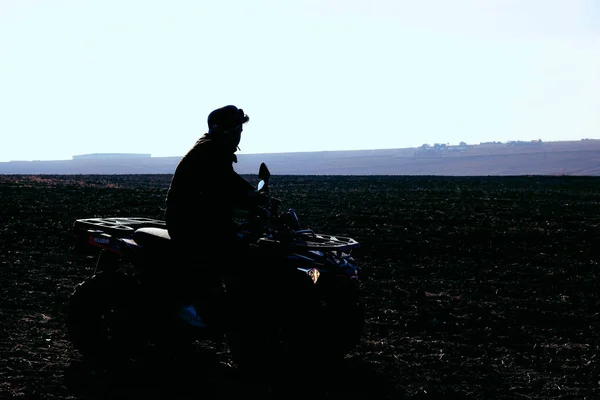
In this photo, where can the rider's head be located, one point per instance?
(226, 122)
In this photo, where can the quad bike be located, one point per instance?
(296, 296)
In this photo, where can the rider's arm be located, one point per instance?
(244, 195)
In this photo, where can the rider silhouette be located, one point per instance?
(203, 194)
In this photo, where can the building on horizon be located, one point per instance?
(104, 156)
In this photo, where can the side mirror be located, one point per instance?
(263, 172)
(263, 175)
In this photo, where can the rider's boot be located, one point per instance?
(189, 314)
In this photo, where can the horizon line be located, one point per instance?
(149, 155)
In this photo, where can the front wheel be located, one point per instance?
(315, 337)
(103, 317)
(343, 326)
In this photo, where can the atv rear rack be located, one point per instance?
(93, 234)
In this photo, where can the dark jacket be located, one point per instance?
(205, 190)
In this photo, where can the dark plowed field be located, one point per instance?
(475, 288)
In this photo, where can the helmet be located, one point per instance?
(226, 118)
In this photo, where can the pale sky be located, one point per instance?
(141, 76)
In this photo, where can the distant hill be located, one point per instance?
(486, 159)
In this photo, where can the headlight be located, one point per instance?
(314, 274)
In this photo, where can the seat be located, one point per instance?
(152, 238)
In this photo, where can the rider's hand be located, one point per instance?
(260, 199)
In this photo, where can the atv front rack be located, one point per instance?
(309, 240)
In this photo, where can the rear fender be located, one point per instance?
(107, 262)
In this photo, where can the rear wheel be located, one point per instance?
(104, 317)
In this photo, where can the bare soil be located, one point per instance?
(475, 288)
